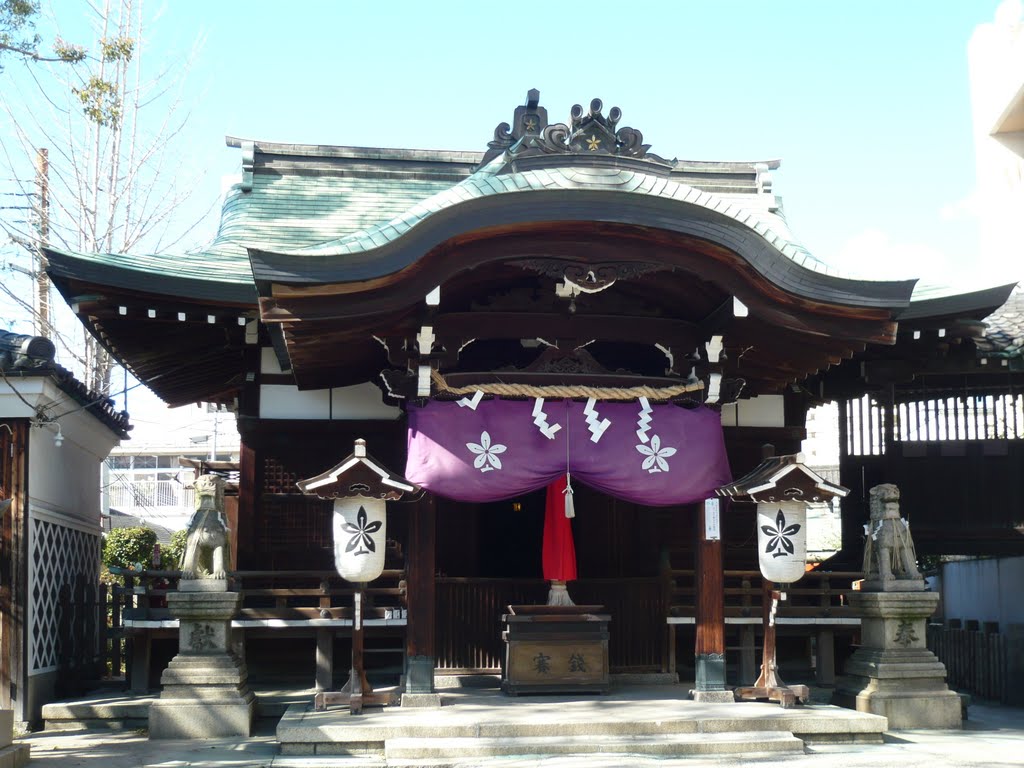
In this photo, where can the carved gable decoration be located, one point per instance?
(589, 133)
(530, 119)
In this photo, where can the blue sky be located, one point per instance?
(866, 103)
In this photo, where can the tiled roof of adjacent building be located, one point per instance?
(1004, 335)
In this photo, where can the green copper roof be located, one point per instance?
(759, 212)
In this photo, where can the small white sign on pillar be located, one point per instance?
(712, 521)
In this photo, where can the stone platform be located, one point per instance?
(657, 720)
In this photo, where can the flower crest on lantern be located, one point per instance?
(782, 487)
(361, 487)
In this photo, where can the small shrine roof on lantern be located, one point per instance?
(782, 478)
(359, 474)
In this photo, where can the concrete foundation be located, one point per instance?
(893, 674)
(205, 690)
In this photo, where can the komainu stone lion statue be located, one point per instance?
(207, 549)
(889, 557)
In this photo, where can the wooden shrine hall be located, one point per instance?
(565, 308)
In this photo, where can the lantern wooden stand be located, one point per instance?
(769, 685)
(785, 484)
(357, 692)
(360, 486)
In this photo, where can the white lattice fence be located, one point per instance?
(59, 556)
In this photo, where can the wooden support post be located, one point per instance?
(748, 651)
(142, 651)
(710, 646)
(825, 668)
(420, 629)
(769, 685)
(357, 692)
(358, 685)
(324, 659)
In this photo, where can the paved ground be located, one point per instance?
(993, 736)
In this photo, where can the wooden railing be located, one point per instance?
(976, 661)
(270, 594)
(469, 611)
(819, 594)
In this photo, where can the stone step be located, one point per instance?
(748, 743)
(100, 712)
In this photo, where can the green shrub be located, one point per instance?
(174, 551)
(129, 548)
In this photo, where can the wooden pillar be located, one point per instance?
(710, 648)
(324, 659)
(243, 543)
(420, 596)
(748, 653)
(825, 661)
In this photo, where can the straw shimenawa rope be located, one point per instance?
(558, 390)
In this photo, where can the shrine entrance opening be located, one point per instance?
(489, 557)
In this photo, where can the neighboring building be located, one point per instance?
(54, 434)
(147, 479)
(453, 308)
(979, 592)
(996, 66)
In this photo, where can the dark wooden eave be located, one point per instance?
(687, 283)
(181, 361)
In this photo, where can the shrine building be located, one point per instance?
(568, 342)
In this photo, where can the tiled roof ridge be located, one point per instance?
(312, 151)
(345, 151)
(100, 406)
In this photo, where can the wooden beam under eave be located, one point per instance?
(686, 257)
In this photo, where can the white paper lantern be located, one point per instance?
(782, 540)
(360, 526)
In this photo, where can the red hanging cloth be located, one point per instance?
(559, 552)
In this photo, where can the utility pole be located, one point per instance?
(43, 229)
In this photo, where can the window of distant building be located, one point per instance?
(151, 480)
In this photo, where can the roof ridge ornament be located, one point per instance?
(588, 133)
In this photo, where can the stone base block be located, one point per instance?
(203, 585)
(911, 709)
(184, 719)
(421, 700)
(6, 727)
(713, 697)
(14, 756)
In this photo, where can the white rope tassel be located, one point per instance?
(570, 509)
(558, 594)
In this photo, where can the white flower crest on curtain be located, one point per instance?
(656, 455)
(487, 454)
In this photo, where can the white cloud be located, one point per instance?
(874, 255)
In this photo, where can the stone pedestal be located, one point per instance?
(893, 673)
(205, 693)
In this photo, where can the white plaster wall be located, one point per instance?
(65, 479)
(984, 590)
(268, 361)
(995, 57)
(362, 401)
(763, 411)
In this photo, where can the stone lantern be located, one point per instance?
(361, 487)
(782, 487)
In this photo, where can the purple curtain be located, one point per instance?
(656, 455)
